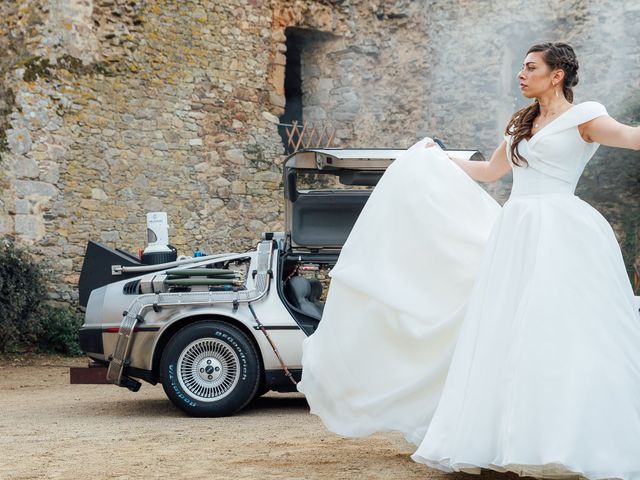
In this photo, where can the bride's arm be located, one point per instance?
(488, 171)
(608, 131)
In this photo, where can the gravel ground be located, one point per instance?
(51, 429)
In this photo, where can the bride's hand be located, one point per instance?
(433, 144)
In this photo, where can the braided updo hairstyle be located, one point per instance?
(556, 55)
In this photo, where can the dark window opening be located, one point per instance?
(292, 84)
(304, 48)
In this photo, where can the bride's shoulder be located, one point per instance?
(588, 110)
(591, 106)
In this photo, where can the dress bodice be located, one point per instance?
(556, 154)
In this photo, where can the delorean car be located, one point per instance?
(218, 330)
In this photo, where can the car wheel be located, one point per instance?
(210, 369)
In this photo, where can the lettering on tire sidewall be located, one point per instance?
(242, 356)
(173, 378)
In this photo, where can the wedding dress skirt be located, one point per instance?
(545, 379)
(380, 356)
(501, 338)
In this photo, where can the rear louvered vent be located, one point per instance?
(131, 288)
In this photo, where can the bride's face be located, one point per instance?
(536, 77)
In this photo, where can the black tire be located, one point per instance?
(263, 390)
(210, 369)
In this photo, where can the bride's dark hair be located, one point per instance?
(556, 55)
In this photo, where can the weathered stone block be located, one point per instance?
(267, 176)
(279, 59)
(110, 237)
(257, 226)
(215, 204)
(22, 207)
(90, 204)
(66, 265)
(223, 192)
(30, 227)
(152, 204)
(26, 167)
(25, 188)
(50, 172)
(235, 155)
(98, 194)
(239, 232)
(277, 99)
(238, 187)
(6, 224)
(271, 118)
(19, 140)
(221, 182)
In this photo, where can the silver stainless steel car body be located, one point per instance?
(134, 317)
(107, 303)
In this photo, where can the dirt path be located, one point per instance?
(51, 429)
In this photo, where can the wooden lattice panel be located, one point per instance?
(309, 135)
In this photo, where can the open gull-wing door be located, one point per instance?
(326, 189)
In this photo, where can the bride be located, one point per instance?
(504, 338)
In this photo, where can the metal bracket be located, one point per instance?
(119, 357)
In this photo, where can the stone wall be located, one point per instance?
(111, 108)
(160, 107)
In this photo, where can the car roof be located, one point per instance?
(348, 158)
(354, 158)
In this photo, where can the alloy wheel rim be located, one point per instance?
(208, 369)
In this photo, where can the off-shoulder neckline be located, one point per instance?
(551, 122)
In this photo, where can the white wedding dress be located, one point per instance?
(498, 338)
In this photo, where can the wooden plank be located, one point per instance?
(301, 136)
(330, 141)
(290, 133)
(310, 135)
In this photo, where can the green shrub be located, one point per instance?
(58, 332)
(27, 323)
(22, 288)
